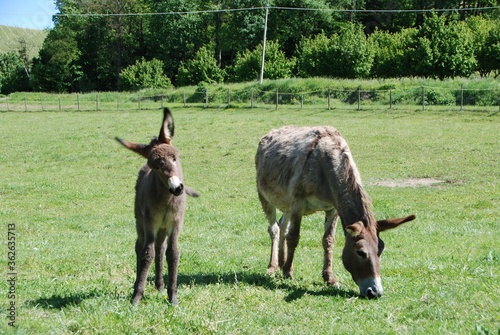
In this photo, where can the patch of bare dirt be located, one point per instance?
(412, 182)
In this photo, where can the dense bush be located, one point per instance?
(247, 65)
(144, 74)
(202, 68)
(390, 53)
(344, 55)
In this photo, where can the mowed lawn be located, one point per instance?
(67, 190)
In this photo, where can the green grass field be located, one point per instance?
(67, 192)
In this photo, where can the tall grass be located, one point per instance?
(67, 186)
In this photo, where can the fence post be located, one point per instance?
(277, 98)
(162, 100)
(184, 98)
(359, 98)
(301, 100)
(390, 97)
(25, 106)
(206, 97)
(139, 101)
(96, 103)
(78, 101)
(8, 107)
(423, 98)
(328, 99)
(228, 98)
(118, 102)
(461, 96)
(251, 99)
(60, 109)
(41, 103)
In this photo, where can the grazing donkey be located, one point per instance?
(302, 170)
(160, 203)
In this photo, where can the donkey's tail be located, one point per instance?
(191, 192)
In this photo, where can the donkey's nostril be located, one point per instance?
(178, 190)
(372, 293)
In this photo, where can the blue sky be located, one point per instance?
(33, 14)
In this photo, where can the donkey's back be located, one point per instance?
(297, 164)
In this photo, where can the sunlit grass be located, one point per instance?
(68, 187)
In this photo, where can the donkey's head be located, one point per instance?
(162, 156)
(362, 251)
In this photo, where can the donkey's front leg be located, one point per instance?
(173, 265)
(331, 219)
(159, 254)
(145, 258)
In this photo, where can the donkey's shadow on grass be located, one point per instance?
(295, 288)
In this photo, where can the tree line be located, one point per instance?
(191, 41)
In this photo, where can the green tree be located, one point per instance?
(489, 55)
(144, 74)
(175, 38)
(486, 34)
(202, 68)
(56, 68)
(288, 27)
(442, 50)
(237, 31)
(13, 74)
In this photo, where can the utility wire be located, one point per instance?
(286, 8)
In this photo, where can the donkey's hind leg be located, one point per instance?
(283, 225)
(331, 219)
(274, 232)
(292, 240)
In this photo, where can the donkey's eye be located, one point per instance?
(361, 253)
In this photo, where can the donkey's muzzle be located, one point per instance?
(175, 186)
(371, 288)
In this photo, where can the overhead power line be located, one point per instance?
(389, 11)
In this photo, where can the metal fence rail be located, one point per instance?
(356, 99)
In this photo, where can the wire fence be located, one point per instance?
(423, 97)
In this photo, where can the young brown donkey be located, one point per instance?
(160, 203)
(302, 170)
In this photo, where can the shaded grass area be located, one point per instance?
(68, 188)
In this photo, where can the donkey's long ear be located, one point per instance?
(167, 128)
(393, 223)
(141, 149)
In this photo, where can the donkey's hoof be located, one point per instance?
(135, 301)
(334, 284)
(288, 274)
(330, 280)
(271, 270)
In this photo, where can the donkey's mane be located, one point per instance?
(360, 201)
